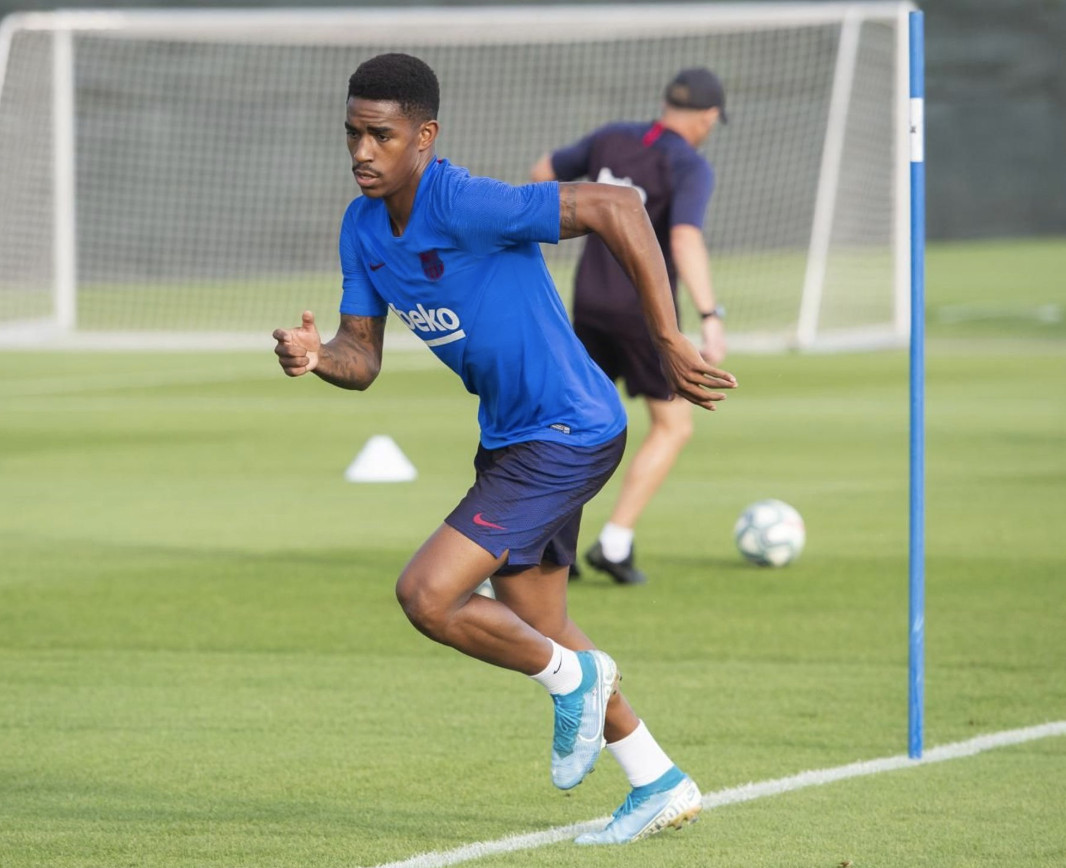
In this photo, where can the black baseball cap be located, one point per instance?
(696, 88)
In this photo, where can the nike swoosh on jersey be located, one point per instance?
(479, 519)
(374, 266)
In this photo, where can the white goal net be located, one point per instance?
(170, 178)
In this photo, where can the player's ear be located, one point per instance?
(427, 134)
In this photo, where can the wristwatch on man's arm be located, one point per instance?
(716, 311)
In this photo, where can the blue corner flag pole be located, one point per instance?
(916, 693)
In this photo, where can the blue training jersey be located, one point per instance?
(468, 278)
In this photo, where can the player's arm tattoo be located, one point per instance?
(569, 227)
(353, 357)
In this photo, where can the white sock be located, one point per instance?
(616, 541)
(640, 757)
(563, 672)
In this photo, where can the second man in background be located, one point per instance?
(660, 160)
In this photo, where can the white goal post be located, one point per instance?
(177, 178)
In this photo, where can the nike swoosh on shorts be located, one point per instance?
(481, 521)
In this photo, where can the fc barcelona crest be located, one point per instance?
(432, 267)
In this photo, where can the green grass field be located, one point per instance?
(202, 662)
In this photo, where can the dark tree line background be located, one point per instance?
(995, 109)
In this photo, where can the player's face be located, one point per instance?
(708, 121)
(388, 149)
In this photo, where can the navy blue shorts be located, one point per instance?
(527, 499)
(626, 354)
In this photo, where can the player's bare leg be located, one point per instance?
(662, 794)
(538, 597)
(671, 428)
(436, 593)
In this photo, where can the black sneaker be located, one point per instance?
(622, 572)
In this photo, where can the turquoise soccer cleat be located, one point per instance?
(579, 718)
(672, 800)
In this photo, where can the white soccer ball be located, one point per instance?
(770, 533)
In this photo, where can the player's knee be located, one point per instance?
(426, 610)
(678, 431)
(684, 430)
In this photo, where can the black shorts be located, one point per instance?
(629, 355)
(527, 498)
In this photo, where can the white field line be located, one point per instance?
(953, 314)
(745, 793)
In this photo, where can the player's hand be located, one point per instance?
(692, 377)
(298, 349)
(714, 346)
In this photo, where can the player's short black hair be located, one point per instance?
(398, 78)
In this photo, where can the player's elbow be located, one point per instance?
(683, 234)
(626, 199)
(542, 170)
(688, 247)
(365, 378)
(612, 212)
(611, 208)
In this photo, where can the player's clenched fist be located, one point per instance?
(298, 349)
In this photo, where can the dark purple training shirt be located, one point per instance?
(675, 182)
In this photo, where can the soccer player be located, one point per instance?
(659, 159)
(457, 259)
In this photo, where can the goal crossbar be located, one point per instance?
(462, 25)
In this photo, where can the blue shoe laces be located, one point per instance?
(568, 708)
